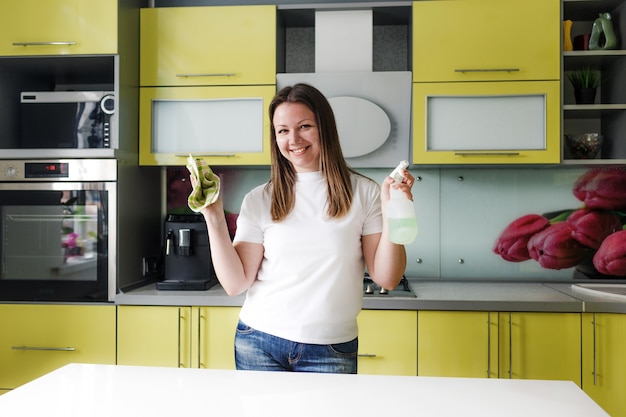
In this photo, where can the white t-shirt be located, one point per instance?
(309, 288)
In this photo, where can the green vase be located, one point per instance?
(602, 34)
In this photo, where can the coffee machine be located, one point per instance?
(187, 256)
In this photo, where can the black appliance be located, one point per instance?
(66, 119)
(187, 256)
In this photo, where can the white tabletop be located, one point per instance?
(110, 390)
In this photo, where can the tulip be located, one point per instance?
(610, 259)
(512, 244)
(602, 189)
(555, 248)
(590, 227)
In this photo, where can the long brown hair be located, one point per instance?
(332, 164)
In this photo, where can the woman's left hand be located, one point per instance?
(405, 186)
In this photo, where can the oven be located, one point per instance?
(57, 230)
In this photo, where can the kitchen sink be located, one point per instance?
(610, 290)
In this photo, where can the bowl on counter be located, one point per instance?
(584, 146)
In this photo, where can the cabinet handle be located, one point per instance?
(199, 347)
(510, 345)
(62, 349)
(595, 355)
(494, 153)
(216, 74)
(44, 43)
(208, 155)
(464, 70)
(366, 355)
(488, 345)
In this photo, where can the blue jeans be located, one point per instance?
(258, 351)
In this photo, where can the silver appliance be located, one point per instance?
(66, 119)
(72, 230)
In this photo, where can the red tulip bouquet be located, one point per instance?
(569, 238)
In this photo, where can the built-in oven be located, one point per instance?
(57, 230)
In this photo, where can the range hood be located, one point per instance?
(372, 109)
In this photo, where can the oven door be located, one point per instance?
(57, 241)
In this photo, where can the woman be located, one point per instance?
(302, 243)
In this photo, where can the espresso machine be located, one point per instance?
(187, 260)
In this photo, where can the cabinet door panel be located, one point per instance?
(37, 339)
(58, 27)
(387, 342)
(154, 336)
(169, 141)
(540, 346)
(457, 344)
(486, 40)
(216, 345)
(447, 127)
(208, 46)
(604, 362)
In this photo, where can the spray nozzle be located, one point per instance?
(396, 174)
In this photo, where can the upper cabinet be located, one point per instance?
(486, 86)
(485, 40)
(605, 112)
(186, 46)
(58, 27)
(207, 76)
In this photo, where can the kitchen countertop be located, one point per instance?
(430, 295)
(114, 390)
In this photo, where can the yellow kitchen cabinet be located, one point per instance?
(477, 40)
(154, 336)
(540, 346)
(387, 342)
(224, 45)
(58, 27)
(217, 337)
(225, 125)
(486, 123)
(172, 336)
(603, 360)
(457, 344)
(36, 339)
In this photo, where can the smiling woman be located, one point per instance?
(315, 224)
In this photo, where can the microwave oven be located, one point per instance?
(66, 119)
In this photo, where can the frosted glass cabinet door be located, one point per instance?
(201, 126)
(486, 123)
(223, 125)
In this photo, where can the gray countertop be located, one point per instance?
(430, 295)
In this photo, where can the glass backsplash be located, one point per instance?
(463, 214)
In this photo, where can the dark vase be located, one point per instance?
(585, 95)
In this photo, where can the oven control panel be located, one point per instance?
(58, 170)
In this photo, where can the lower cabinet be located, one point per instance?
(457, 344)
(37, 339)
(604, 361)
(500, 345)
(185, 337)
(388, 342)
(540, 346)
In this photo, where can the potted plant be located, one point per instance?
(585, 81)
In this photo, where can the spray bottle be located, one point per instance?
(400, 212)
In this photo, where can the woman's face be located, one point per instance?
(297, 136)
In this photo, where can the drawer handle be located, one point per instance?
(44, 43)
(495, 153)
(209, 155)
(229, 74)
(464, 70)
(367, 355)
(64, 349)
